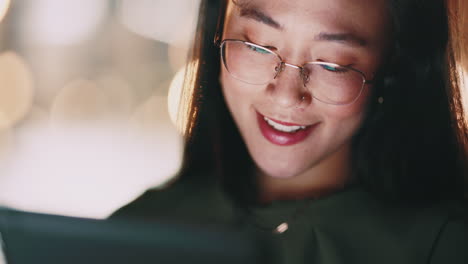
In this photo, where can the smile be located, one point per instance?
(283, 133)
(281, 127)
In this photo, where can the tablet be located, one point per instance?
(40, 238)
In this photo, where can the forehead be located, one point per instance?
(369, 18)
(307, 8)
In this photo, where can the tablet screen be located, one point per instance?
(40, 238)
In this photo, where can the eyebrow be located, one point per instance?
(343, 38)
(258, 15)
(248, 11)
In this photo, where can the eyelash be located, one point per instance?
(249, 39)
(337, 62)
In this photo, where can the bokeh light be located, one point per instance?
(151, 121)
(7, 137)
(120, 93)
(178, 53)
(174, 95)
(179, 93)
(165, 21)
(81, 101)
(84, 120)
(4, 6)
(61, 22)
(84, 171)
(16, 89)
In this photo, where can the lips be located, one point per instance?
(296, 133)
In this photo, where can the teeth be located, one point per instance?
(281, 127)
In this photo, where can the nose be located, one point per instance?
(288, 89)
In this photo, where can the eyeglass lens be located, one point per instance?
(327, 82)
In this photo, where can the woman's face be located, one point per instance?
(346, 32)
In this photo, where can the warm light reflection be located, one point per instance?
(16, 89)
(464, 90)
(178, 54)
(84, 124)
(7, 137)
(121, 95)
(166, 21)
(180, 94)
(81, 101)
(175, 92)
(61, 22)
(4, 6)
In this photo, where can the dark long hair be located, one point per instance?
(413, 147)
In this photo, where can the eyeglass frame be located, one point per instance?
(283, 64)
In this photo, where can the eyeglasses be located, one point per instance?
(327, 82)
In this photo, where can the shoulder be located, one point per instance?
(438, 233)
(451, 244)
(189, 200)
(150, 202)
(361, 227)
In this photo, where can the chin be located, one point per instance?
(280, 173)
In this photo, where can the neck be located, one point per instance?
(327, 176)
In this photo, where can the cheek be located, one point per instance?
(357, 108)
(234, 91)
(348, 117)
(235, 94)
(224, 78)
(230, 90)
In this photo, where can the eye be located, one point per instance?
(332, 68)
(257, 49)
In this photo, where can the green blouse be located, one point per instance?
(347, 227)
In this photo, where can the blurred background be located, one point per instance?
(88, 97)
